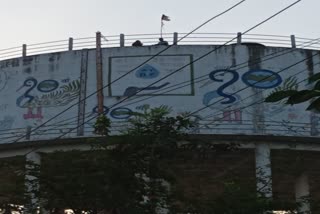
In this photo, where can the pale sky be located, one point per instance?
(34, 21)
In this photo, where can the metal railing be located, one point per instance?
(152, 39)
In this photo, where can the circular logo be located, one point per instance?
(147, 72)
(261, 79)
(121, 113)
(47, 85)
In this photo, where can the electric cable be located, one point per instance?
(205, 77)
(152, 57)
(263, 79)
(252, 104)
(199, 58)
(187, 83)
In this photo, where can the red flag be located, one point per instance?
(165, 18)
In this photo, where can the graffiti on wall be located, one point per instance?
(31, 115)
(232, 116)
(3, 80)
(47, 93)
(131, 91)
(147, 72)
(220, 91)
(263, 79)
(119, 113)
(140, 80)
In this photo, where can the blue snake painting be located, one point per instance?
(220, 91)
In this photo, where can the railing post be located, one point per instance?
(24, 50)
(121, 40)
(293, 41)
(175, 38)
(239, 38)
(70, 46)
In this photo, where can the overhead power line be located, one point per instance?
(261, 80)
(152, 57)
(196, 60)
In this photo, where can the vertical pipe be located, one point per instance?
(293, 41)
(175, 38)
(83, 91)
(99, 73)
(28, 133)
(122, 40)
(70, 46)
(24, 50)
(239, 38)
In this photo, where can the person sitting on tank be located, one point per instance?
(137, 43)
(162, 42)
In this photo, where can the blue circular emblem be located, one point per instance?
(261, 79)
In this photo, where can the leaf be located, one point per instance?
(317, 86)
(302, 96)
(314, 78)
(315, 105)
(279, 95)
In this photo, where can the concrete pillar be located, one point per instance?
(239, 38)
(293, 41)
(302, 193)
(122, 40)
(263, 170)
(33, 160)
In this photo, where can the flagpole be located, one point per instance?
(161, 28)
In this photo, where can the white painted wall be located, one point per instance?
(226, 112)
(237, 116)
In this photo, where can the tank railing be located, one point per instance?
(122, 40)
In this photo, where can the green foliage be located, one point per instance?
(279, 95)
(102, 125)
(130, 175)
(289, 91)
(97, 180)
(127, 176)
(155, 124)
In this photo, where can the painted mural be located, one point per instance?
(35, 89)
(229, 97)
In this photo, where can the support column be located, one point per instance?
(263, 170)
(33, 160)
(302, 192)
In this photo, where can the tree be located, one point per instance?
(295, 96)
(136, 173)
(122, 175)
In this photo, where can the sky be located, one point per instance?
(36, 21)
